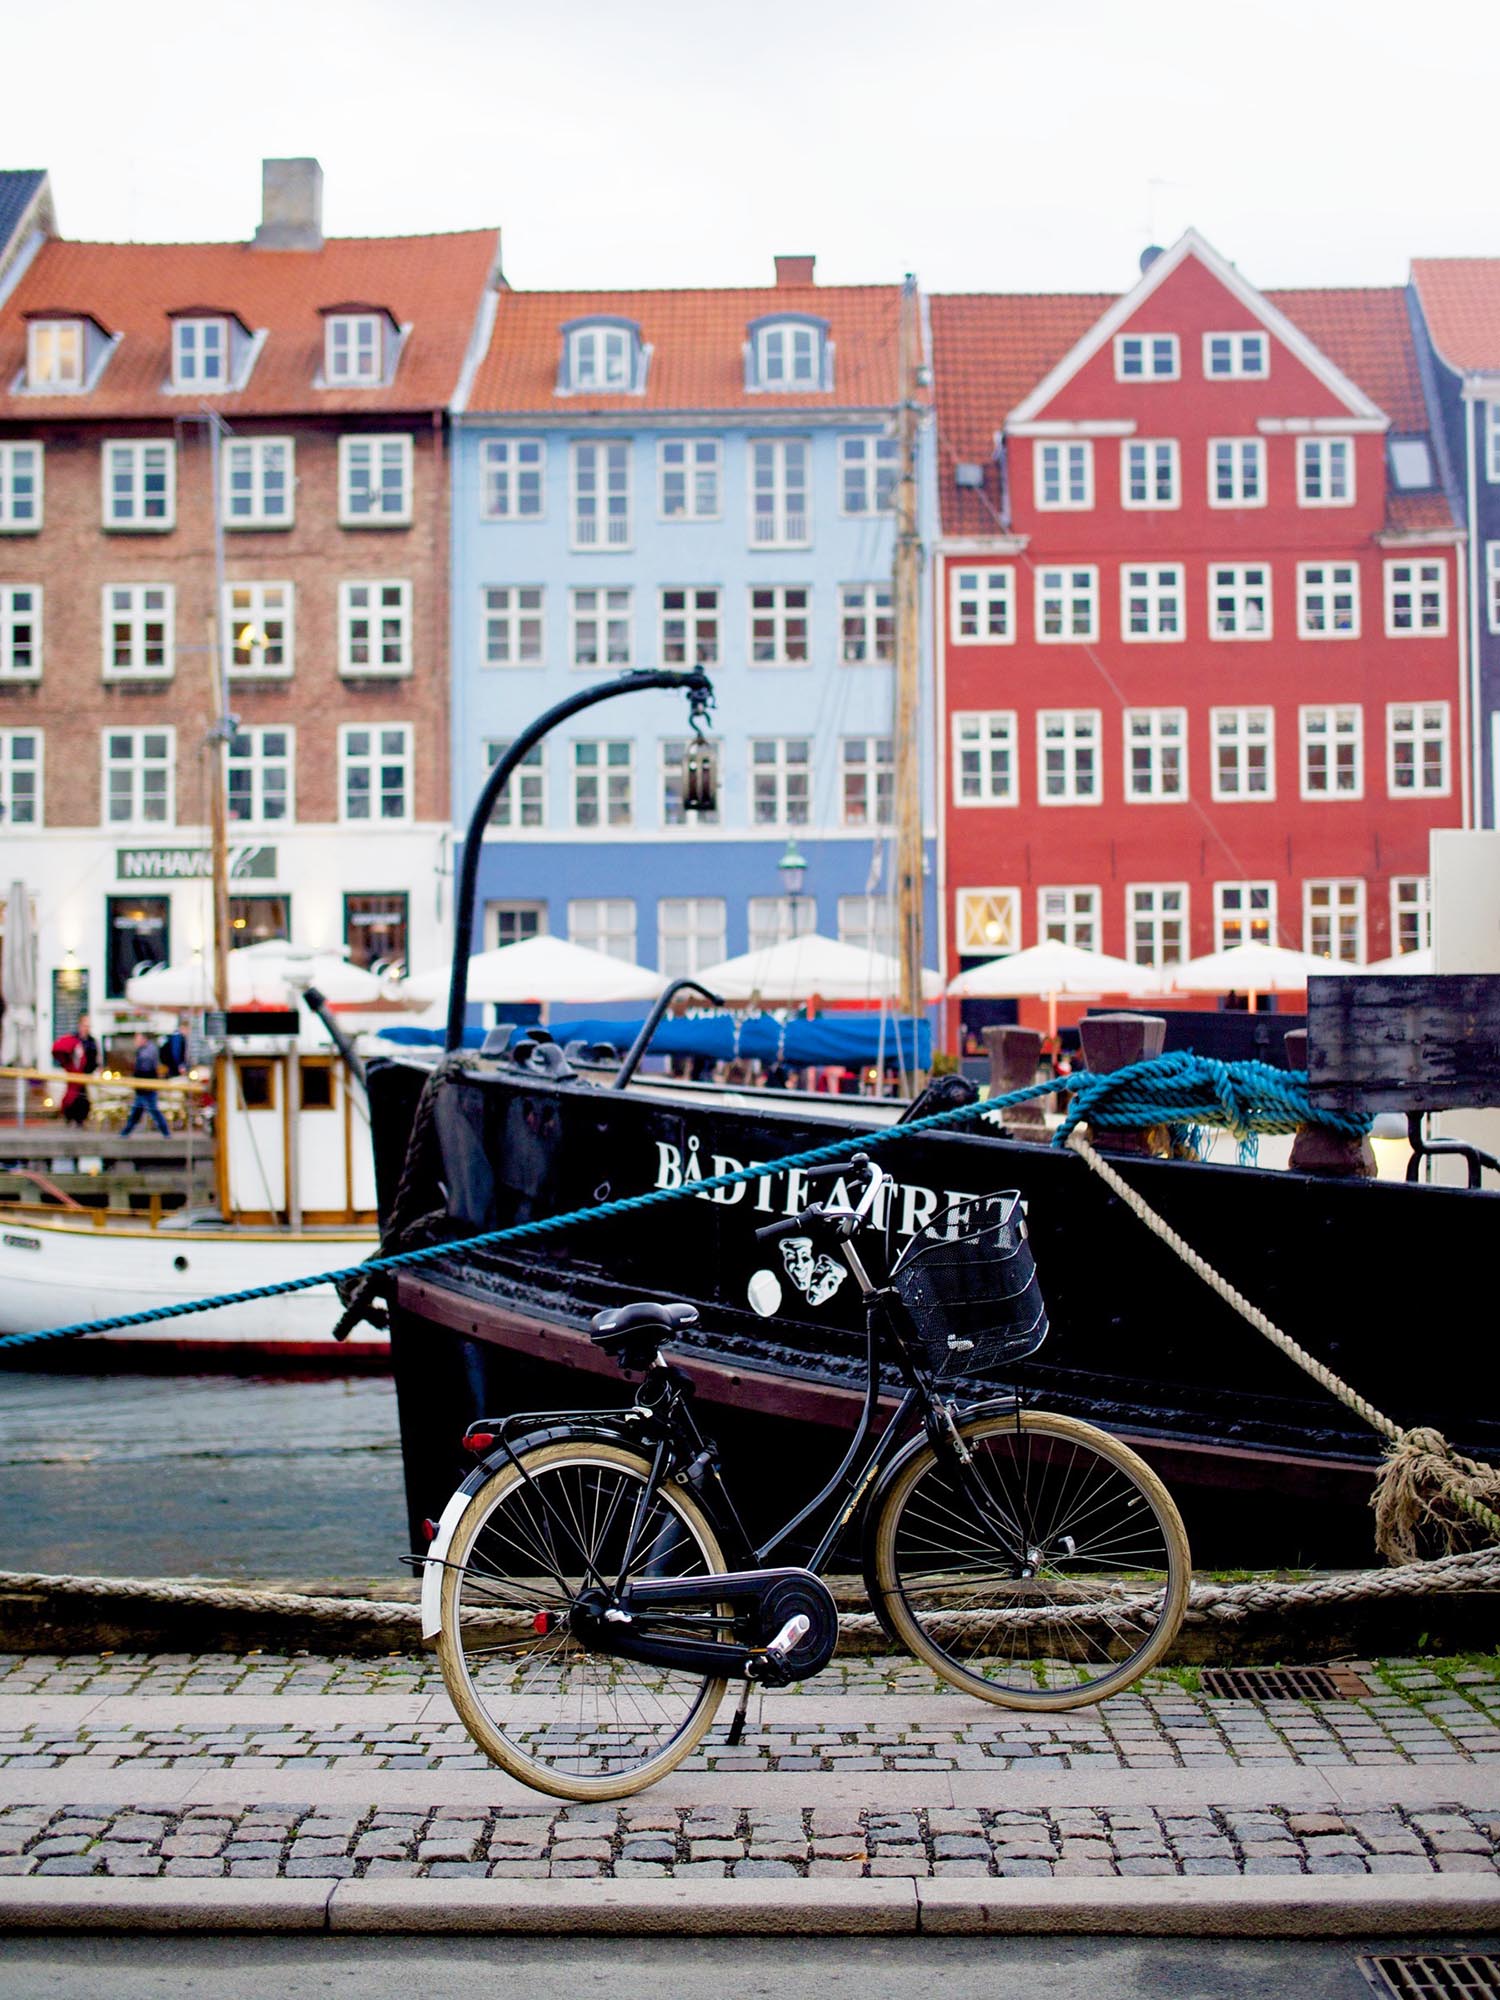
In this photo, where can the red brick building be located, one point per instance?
(1198, 600)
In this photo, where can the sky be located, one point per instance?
(987, 147)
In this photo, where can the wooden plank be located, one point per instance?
(1404, 1042)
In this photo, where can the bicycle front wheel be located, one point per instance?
(578, 1724)
(1046, 1571)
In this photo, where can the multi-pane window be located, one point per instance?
(351, 349)
(1411, 912)
(1417, 749)
(601, 495)
(1157, 922)
(258, 482)
(868, 923)
(1068, 756)
(984, 606)
(690, 626)
(1146, 357)
(601, 357)
(200, 353)
(789, 356)
(1151, 601)
(1063, 475)
(984, 758)
(140, 484)
(375, 773)
(377, 927)
(1333, 921)
(1067, 604)
(20, 488)
(1332, 752)
(138, 777)
(1149, 473)
(513, 630)
(1416, 598)
(1327, 601)
(20, 631)
(868, 780)
(603, 923)
(1244, 913)
(54, 354)
(674, 751)
(987, 921)
(1239, 601)
(1325, 472)
(1492, 583)
(600, 625)
(260, 775)
(513, 923)
(1244, 753)
(137, 630)
(780, 780)
(867, 626)
(375, 480)
(689, 475)
(1236, 356)
(603, 782)
(1068, 916)
(374, 628)
(512, 479)
(779, 625)
(258, 628)
(773, 919)
(692, 932)
(780, 507)
(868, 469)
(20, 778)
(1156, 753)
(1236, 472)
(523, 796)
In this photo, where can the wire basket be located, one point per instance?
(969, 1285)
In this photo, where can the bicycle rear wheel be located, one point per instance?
(1048, 1571)
(578, 1724)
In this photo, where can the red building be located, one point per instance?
(1199, 637)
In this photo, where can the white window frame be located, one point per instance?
(1244, 739)
(353, 348)
(690, 634)
(986, 757)
(1146, 910)
(1234, 582)
(1425, 583)
(609, 609)
(1239, 493)
(138, 615)
(701, 473)
(1337, 729)
(987, 921)
(867, 781)
(271, 609)
(1411, 896)
(781, 524)
(526, 787)
(382, 449)
(789, 342)
(869, 471)
(513, 479)
(1162, 734)
(188, 353)
(867, 922)
(396, 609)
(1318, 471)
(135, 454)
(13, 817)
(610, 354)
(1163, 351)
(773, 919)
(251, 454)
(378, 757)
(258, 764)
(613, 796)
(64, 378)
(1492, 583)
(780, 615)
(509, 920)
(1343, 912)
(602, 477)
(1080, 743)
(11, 452)
(867, 625)
(1419, 724)
(1320, 586)
(982, 596)
(783, 768)
(1161, 591)
(691, 932)
(140, 765)
(1492, 443)
(1063, 467)
(1241, 346)
(1161, 456)
(1258, 900)
(512, 626)
(1068, 914)
(13, 616)
(1067, 586)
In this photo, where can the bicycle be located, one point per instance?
(586, 1618)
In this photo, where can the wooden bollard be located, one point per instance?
(1015, 1054)
(1114, 1041)
(1316, 1150)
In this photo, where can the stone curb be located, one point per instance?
(1204, 1907)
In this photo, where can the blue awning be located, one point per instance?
(850, 1039)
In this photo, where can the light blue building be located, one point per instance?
(662, 479)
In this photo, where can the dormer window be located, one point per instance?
(1411, 464)
(360, 345)
(54, 354)
(788, 354)
(200, 353)
(602, 357)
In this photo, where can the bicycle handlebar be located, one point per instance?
(790, 1224)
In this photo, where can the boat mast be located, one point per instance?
(906, 581)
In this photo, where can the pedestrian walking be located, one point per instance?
(78, 1053)
(147, 1065)
(173, 1053)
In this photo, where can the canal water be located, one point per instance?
(235, 1476)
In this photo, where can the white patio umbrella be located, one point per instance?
(812, 966)
(1416, 963)
(1050, 971)
(1254, 969)
(18, 983)
(540, 970)
(272, 974)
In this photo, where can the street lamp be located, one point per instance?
(793, 871)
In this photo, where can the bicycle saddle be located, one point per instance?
(610, 1327)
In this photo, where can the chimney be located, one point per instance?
(795, 270)
(291, 206)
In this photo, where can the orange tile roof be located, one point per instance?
(1461, 300)
(697, 340)
(433, 283)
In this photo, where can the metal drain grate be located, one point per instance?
(1419, 1977)
(1283, 1684)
